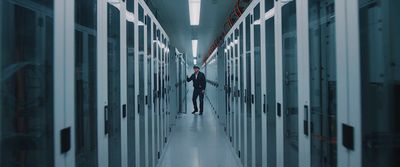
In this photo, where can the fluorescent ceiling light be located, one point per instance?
(194, 61)
(194, 12)
(194, 48)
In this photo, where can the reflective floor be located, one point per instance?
(198, 141)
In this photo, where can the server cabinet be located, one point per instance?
(247, 92)
(149, 82)
(367, 37)
(115, 86)
(269, 99)
(287, 88)
(243, 77)
(235, 89)
(86, 84)
(317, 99)
(221, 81)
(37, 104)
(238, 81)
(240, 111)
(257, 90)
(131, 84)
(155, 96)
(142, 91)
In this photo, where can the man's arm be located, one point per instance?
(188, 79)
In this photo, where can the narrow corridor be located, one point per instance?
(198, 141)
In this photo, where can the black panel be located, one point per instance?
(278, 109)
(348, 136)
(305, 122)
(124, 111)
(65, 140)
(106, 122)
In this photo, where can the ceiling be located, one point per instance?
(174, 18)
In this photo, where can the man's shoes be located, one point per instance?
(201, 113)
(194, 111)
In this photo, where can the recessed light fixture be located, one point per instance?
(194, 47)
(194, 12)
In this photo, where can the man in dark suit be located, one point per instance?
(199, 84)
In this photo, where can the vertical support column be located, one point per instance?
(279, 85)
(237, 92)
(64, 86)
(123, 85)
(146, 93)
(233, 92)
(245, 78)
(136, 66)
(303, 78)
(151, 94)
(102, 88)
(348, 81)
(263, 85)
(252, 94)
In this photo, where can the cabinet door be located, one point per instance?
(86, 84)
(37, 81)
(131, 98)
(287, 87)
(269, 99)
(368, 82)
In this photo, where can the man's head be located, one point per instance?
(196, 69)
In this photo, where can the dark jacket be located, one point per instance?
(200, 82)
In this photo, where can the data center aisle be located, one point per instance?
(198, 141)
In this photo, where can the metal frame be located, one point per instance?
(64, 94)
(348, 80)
(124, 86)
(303, 78)
(102, 93)
(263, 83)
(279, 84)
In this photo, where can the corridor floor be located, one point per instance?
(198, 141)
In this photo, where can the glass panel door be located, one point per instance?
(248, 92)
(290, 89)
(86, 83)
(149, 96)
(130, 52)
(114, 86)
(27, 81)
(257, 86)
(380, 82)
(322, 82)
(141, 98)
(242, 95)
(270, 99)
(237, 89)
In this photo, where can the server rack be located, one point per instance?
(323, 97)
(84, 75)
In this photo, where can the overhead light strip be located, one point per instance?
(194, 12)
(194, 47)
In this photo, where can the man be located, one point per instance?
(199, 84)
